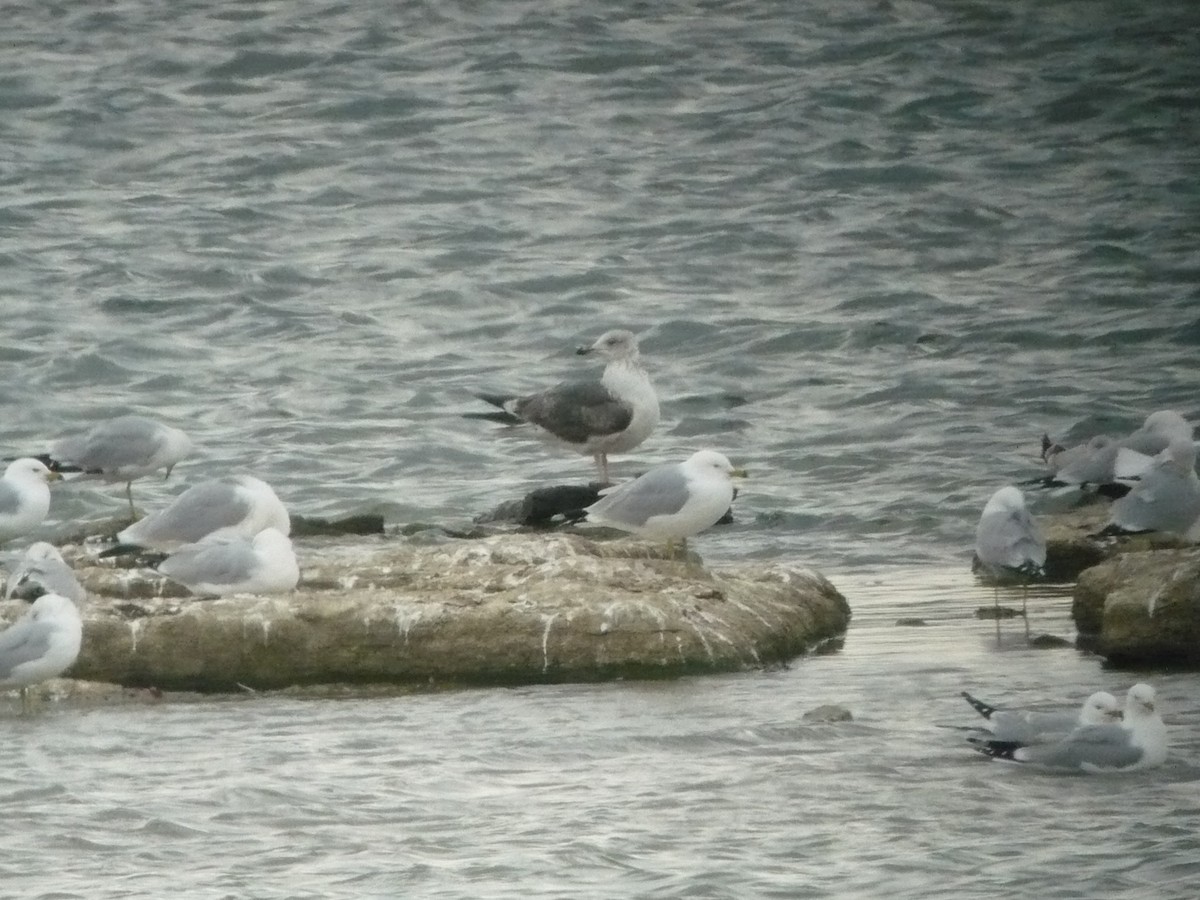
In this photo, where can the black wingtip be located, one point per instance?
(979, 706)
(119, 550)
(996, 749)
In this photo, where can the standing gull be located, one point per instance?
(122, 449)
(24, 497)
(1009, 545)
(41, 569)
(243, 503)
(226, 562)
(671, 502)
(1025, 726)
(1166, 499)
(611, 414)
(1139, 742)
(41, 644)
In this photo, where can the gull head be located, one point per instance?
(613, 345)
(711, 460)
(30, 469)
(1100, 708)
(1140, 701)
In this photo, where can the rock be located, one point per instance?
(1049, 642)
(997, 612)
(502, 610)
(361, 523)
(1142, 607)
(828, 713)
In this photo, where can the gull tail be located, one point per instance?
(979, 706)
(504, 404)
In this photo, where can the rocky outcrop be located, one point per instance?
(501, 610)
(1142, 607)
(1072, 545)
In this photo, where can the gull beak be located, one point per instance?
(739, 473)
(584, 351)
(1116, 714)
(54, 476)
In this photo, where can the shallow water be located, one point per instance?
(705, 787)
(874, 251)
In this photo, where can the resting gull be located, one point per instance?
(242, 502)
(41, 569)
(611, 414)
(121, 449)
(41, 644)
(1138, 742)
(1026, 726)
(24, 497)
(670, 502)
(1166, 499)
(227, 562)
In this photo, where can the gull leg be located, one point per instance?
(129, 496)
(25, 704)
(996, 603)
(602, 466)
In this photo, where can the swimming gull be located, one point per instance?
(227, 562)
(41, 569)
(1025, 726)
(42, 644)
(24, 497)
(670, 502)
(596, 417)
(1138, 742)
(1155, 434)
(1166, 499)
(242, 502)
(122, 449)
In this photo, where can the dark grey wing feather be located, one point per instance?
(576, 411)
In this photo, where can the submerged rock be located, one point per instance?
(830, 712)
(501, 610)
(1142, 608)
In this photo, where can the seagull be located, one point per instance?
(1008, 543)
(41, 644)
(121, 449)
(1139, 742)
(1023, 726)
(670, 502)
(611, 414)
(1102, 463)
(227, 562)
(242, 502)
(42, 569)
(1166, 499)
(24, 497)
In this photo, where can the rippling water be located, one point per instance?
(874, 250)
